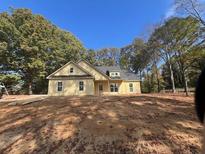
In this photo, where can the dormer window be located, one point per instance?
(71, 70)
(115, 74)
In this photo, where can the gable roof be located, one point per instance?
(71, 62)
(99, 71)
(124, 74)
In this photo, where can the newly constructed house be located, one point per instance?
(82, 78)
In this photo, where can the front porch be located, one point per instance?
(107, 87)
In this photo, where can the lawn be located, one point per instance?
(108, 124)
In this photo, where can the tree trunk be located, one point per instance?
(184, 77)
(172, 77)
(30, 88)
(185, 83)
(149, 85)
(140, 75)
(158, 83)
(141, 79)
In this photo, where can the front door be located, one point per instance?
(100, 88)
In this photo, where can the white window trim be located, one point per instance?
(58, 86)
(117, 85)
(131, 87)
(115, 74)
(83, 86)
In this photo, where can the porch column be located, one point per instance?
(108, 85)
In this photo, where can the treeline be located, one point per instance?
(174, 54)
(172, 57)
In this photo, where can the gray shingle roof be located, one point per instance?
(124, 74)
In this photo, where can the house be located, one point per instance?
(82, 78)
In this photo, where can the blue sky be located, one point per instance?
(99, 23)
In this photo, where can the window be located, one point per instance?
(131, 87)
(115, 74)
(60, 86)
(81, 86)
(114, 87)
(71, 70)
(112, 74)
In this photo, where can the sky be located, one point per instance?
(99, 23)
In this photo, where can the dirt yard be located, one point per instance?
(117, 124)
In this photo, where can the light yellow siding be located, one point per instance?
(125, 89)
(96, 74)
(66, 71)
(71, 87)
(91, 85)
(105, 87)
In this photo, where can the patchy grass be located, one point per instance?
(109, 124)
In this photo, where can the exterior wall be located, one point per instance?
(105, 87)
(66, 71)
(71, 87)
(92, 71)
(124, 87)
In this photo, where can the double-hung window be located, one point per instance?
(81, 86)
(114, 87)
(60, 86)
(131, 87)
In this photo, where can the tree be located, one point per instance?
(166, 76)
(175, 41)
(91, 56)
(161, 42)
(107, 56)
(186, 35)
(135, 57)
(10, 80)
(152, 80)
(34, 47)
(194, 8)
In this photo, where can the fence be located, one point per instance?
(178, 90)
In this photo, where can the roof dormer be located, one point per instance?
(114, 74)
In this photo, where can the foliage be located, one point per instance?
(34, 47)
(107, 56)
(153, 81)
(135, 57)
(11, 81)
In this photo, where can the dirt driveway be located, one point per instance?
(115, 124)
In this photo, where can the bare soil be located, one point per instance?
(108, 124)
(12, 98)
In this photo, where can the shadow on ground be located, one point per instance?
(114, 124)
